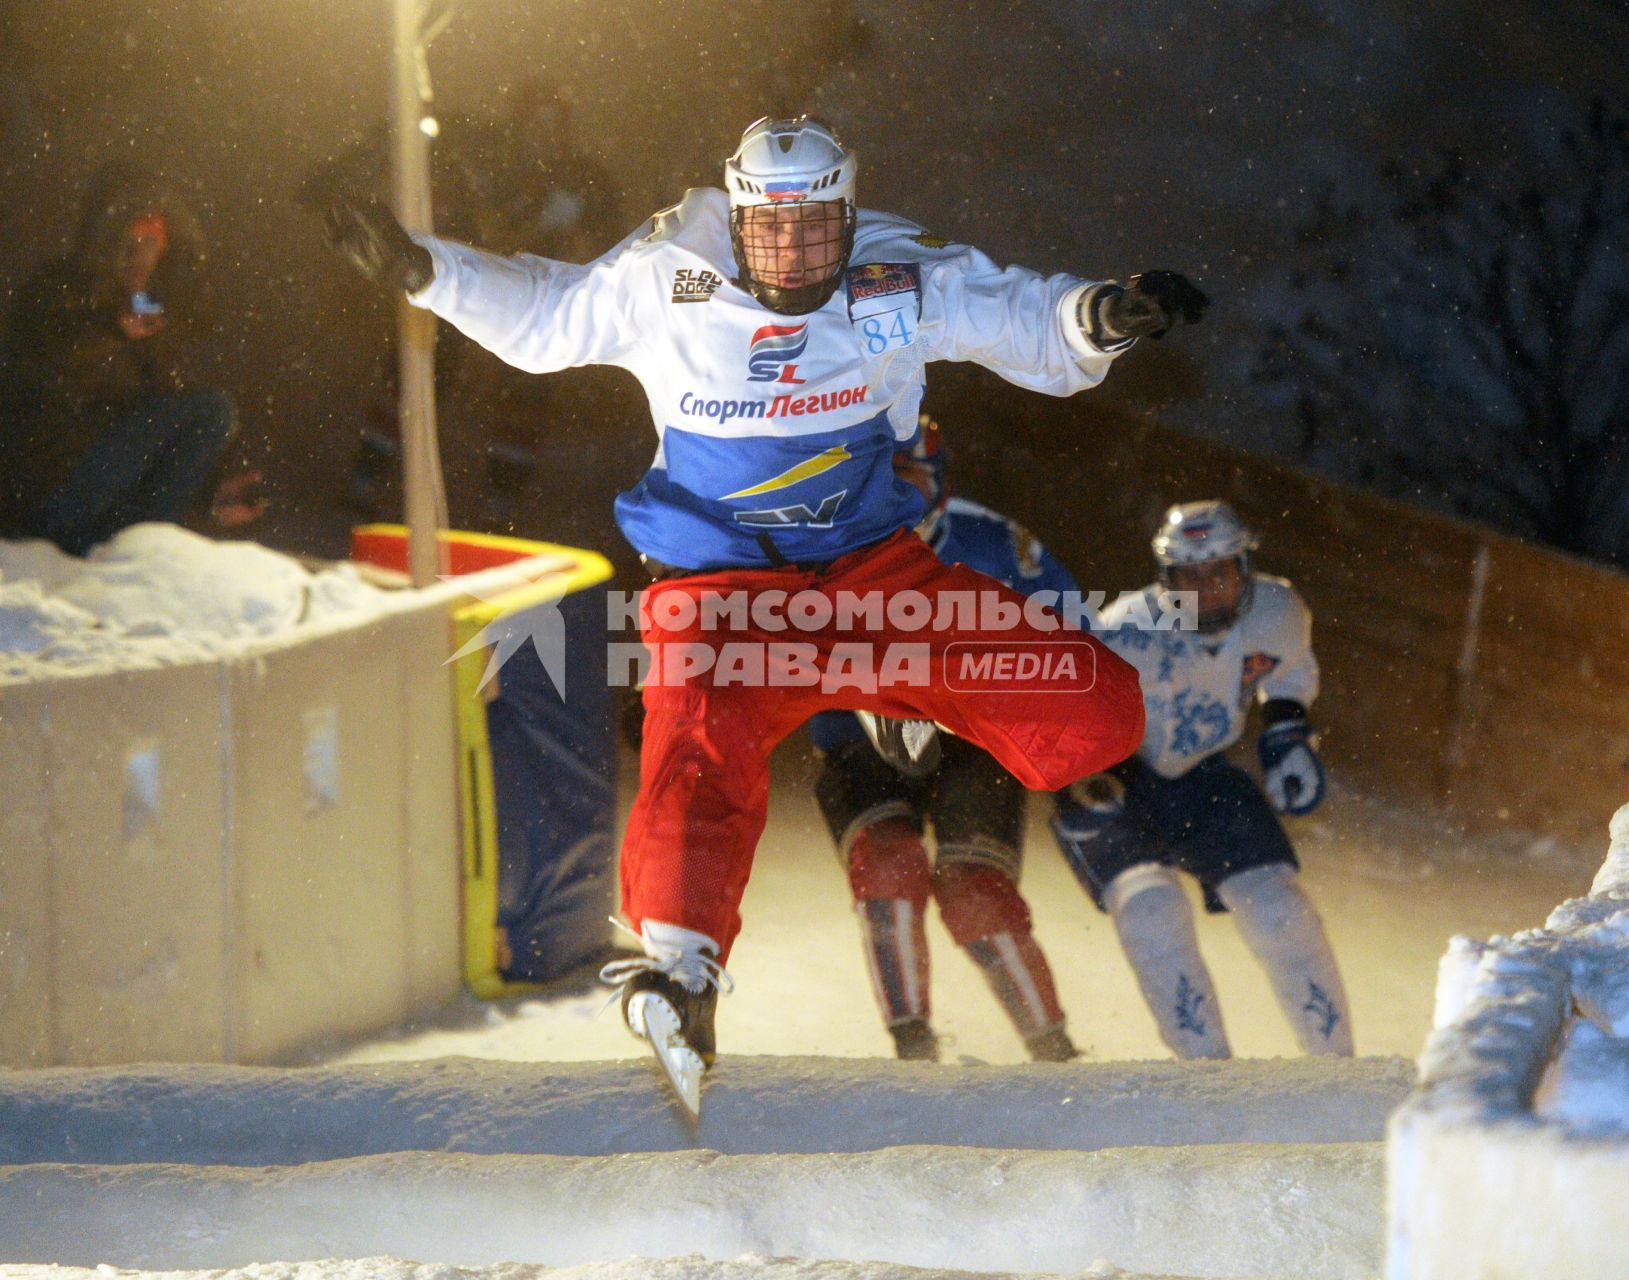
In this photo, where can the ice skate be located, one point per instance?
(914, 1041)
(1051, 1046)
(669, 996)
(911, 746)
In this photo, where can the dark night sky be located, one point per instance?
(1084, 136)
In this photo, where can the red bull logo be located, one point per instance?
(881, 279)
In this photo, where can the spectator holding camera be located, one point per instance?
(99, 425)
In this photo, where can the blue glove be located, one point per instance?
(1291, 773)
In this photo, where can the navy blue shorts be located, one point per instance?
(1212, 822)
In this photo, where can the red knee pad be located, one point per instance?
(888, 860)
(978, 901)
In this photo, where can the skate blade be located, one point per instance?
(680, 1064)
(909, 746)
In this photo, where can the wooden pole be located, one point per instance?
(415, 328)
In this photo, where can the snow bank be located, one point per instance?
(1511, 1156)
(1307, 1211)
(1246, 1168)
(158, 595)
(749, 1267)
(255, 1116)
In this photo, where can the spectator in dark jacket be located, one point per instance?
(99, 428)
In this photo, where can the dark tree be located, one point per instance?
(1469, 342)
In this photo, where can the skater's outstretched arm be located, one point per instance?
(532, 312)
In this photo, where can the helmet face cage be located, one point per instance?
(1204, 533)
(792, 256)
(792, 212)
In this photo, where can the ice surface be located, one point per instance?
(260, 1116)
(1394, 888)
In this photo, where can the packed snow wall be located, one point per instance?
(229, 801)
(224, 859)
(1511, 1155)
(1246, 1169)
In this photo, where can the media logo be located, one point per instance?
(541, 625)
(1028, 666)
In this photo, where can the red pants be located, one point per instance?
(704, 768)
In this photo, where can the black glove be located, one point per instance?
(365, 232)
(1150, 305)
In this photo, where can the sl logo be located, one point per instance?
(773, 349)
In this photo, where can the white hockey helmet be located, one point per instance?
(792, 212)
(1201, 533)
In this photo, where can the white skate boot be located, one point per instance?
(668, 999)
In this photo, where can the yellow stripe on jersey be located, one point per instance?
(813, 467)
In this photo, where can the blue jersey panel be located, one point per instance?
(815, 497)
(830, 729)
(985, 543)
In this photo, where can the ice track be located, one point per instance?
(1029, 1170)
(502, 1144)
(251, 1116)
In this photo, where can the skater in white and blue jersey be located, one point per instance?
(1178, 805)
(781, 334)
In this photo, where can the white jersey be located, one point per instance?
(1197, 689)
(770, 426)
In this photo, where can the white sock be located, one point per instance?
(1155, 924)
(1283, 931)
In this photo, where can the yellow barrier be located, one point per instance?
(560, 571)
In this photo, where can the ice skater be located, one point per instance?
(781, 335)
(878, 809)
(1179, 805)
